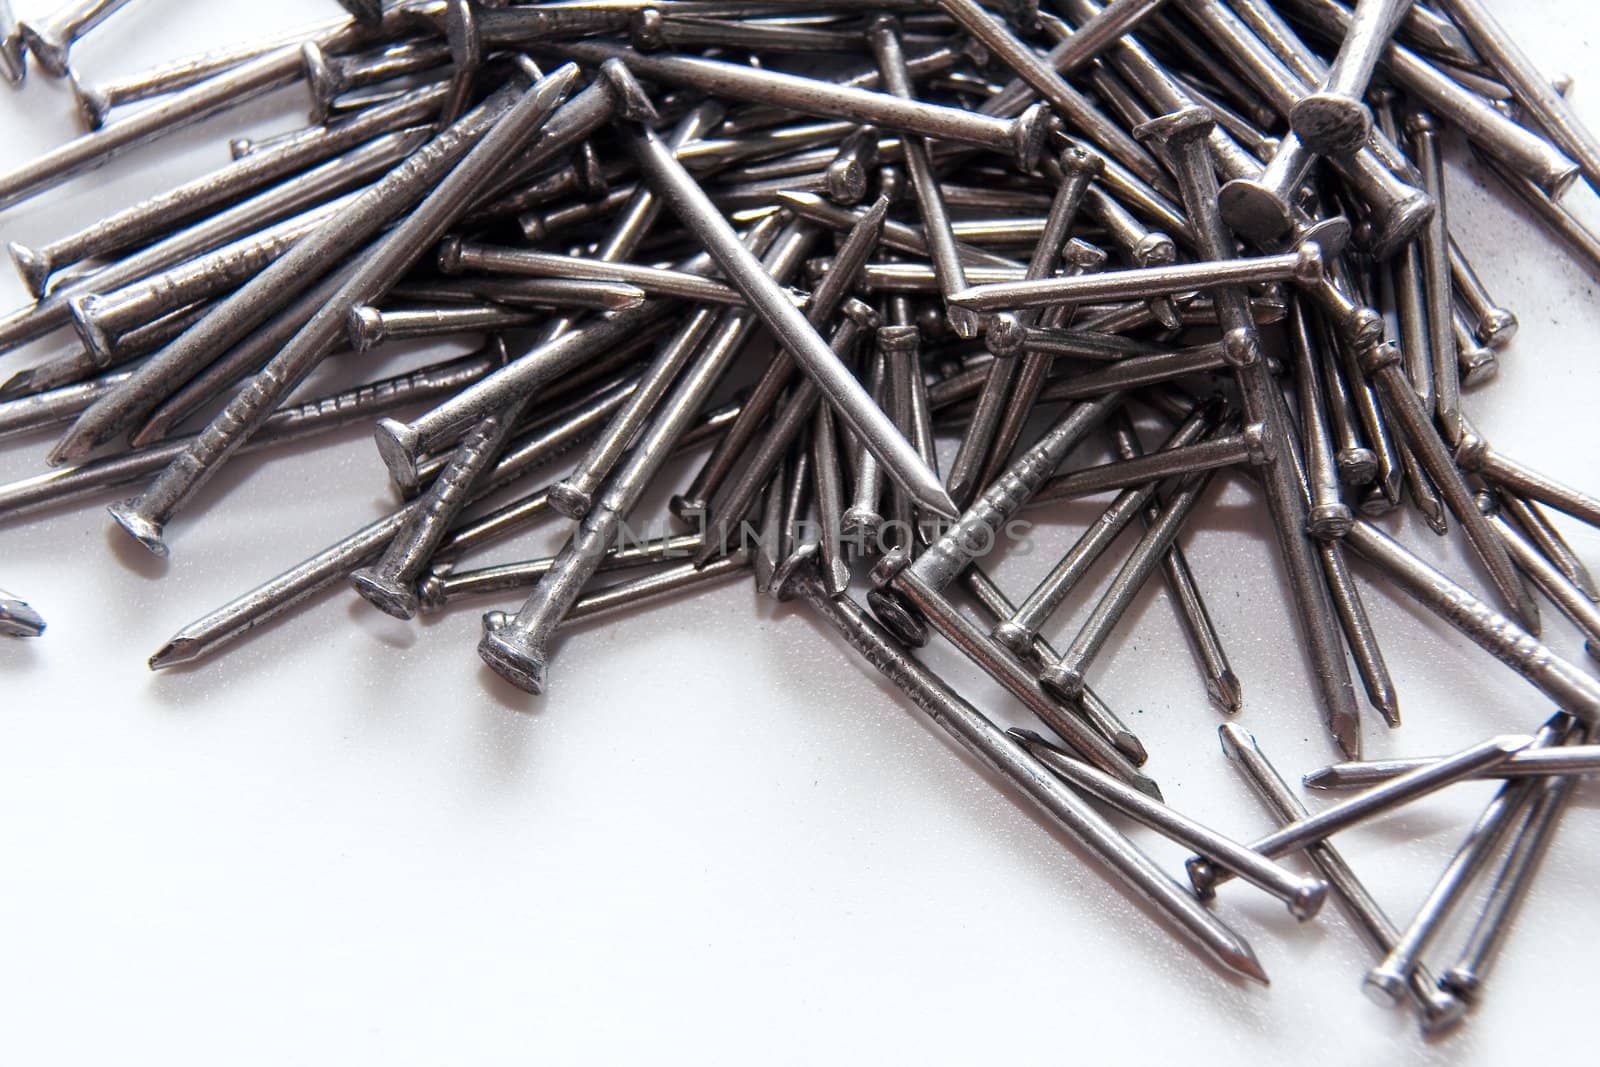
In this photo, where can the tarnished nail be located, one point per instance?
(1539, 529)
(1334, 119)
(1567, 597)
(1206, 876)
(1440, 1010)
(1303, 895)
(685, 198)
(1569, 686)
(892, 572)
(990, 744)
(490, 136)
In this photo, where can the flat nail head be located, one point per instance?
(1332, 123)
(142, 529)
(510, 655)
(385, 594)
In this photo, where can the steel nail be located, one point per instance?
(1567, 597)
(1528, 763)
(488, 137)
(13, 49)
(990, 744)
(1510, 886)
(50, 39)
(1476, 455)
(1387, 982)
(1572, 690)
(1303, 895)
(894, 573)
(1385, 797)
(686, 199)
(1333, 119)
(1440, 1010)
(1539, 529)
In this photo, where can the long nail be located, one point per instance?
(685, 198)
(1475, 454)
(1569, 686)
(884, 38)
(1529, 763)
(294, 423)
(990, 744)
(1386, 982)
(1067, 674)
(1440, 1010)
(1381, 363)
(1184, 133)
(490, 137)
(456, 256)
(1302, 895)
(1019, 138)
(1510, 886)
(1375, 801)
(1495, 326)
(1022, 627)
(1539, 529)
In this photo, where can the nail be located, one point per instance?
(1416, 342)
(369, 327)
(1566, 684)
(153, 217)
(1386, 982)
(1440, 1010)
(50, 407)
(1020, 138)
(1184, 134)
(828, 294)
(1358, 634)
(1528, 763)
(1496, 326)
(862, 520)
(1375, 801)
(516, 648)
(884, 38)
(1303, 895)
(1510, 886)
(17, 619)
(1071, 105)
(1533, 522)
(989, 743)
(1067, 674)
(1329, 516)
(1381, 363)
(769, 555)
(242, 83)
(94, 102)
(1476, 455)
(489, 138)
(293, 423)
(50, 39)
(1333, 119)
(1533, 90)
(1022, 627)
(79, 364)
(1222, 685)
(686, 199)
(1231, 450)
(335, 563)
(1302, 266)
(1568, 598)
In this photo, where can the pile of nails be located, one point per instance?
(891, 220)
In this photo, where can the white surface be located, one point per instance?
(719, 838)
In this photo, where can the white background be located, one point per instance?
(719, 837)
